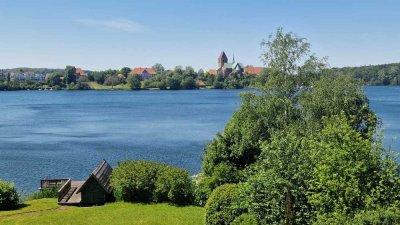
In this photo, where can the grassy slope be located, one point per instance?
(114, 213)
(35, 205)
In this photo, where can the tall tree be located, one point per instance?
(125, 71)
(134, 82)
(158, 68)
(69, 74)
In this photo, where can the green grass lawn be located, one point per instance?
(34, 205)
(113, 213)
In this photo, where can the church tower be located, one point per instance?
(222, 59)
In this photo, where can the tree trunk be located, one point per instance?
(289, 211)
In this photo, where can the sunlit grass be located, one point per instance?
(113, 213)
(34, 205)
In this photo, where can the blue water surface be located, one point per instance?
(66, 133)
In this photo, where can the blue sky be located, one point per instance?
(102, 34)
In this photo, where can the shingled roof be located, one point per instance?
(102, 174)
(253, 70)
(140, 70)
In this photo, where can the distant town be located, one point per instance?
(227, 75)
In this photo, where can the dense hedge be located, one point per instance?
(245, 219)
(146, 181)
(225, 204)
(8, 196)
(379, 216)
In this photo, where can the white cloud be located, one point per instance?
(114, 24)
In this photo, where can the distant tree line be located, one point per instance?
(179, 78)
(386, 74)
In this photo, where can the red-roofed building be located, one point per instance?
(253, 70)
(143, 73)
(212, 72)
(200, 83)
(80, 73)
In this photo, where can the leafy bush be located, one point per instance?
(174, 185)
(381, 216)
(145, 181)
(203, 189)
(134, 181)
(134, 82)
(245, 219)
(225, 204)
(9, 198)
(45, 193)
(223, 174)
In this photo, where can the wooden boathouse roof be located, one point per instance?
(102, 174)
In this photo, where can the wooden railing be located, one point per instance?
(52, 183)
(64, 190)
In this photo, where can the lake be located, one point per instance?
(66, 133)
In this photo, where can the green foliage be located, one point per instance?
(174, 82)
(386, 74)
(332, 95)
(20, 85)
(134, 82)
(304, 146)
(188, 83)
(174, 185)
(53, 79)
(134, 181)
(180, 78)
(99, 77)
(78, 86)
(277, 190)
(112, 81)
(125, 71)
(225, 205)
(146, 181)
(240, 144)
(380, 216)
(345, 168)
(245, 219)
(45, 193)
(203, 188)
(9, 198)
(69, 75)
(158, 68)
(222, 174)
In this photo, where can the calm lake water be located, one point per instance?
(66, 133)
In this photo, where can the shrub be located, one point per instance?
(45, 193)
(134, 82)
(134, 181)
(174, 185)
(145, 181)
(225, 204)
(381, 216)
(245, 219)
(203, 188)
(9, 198)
